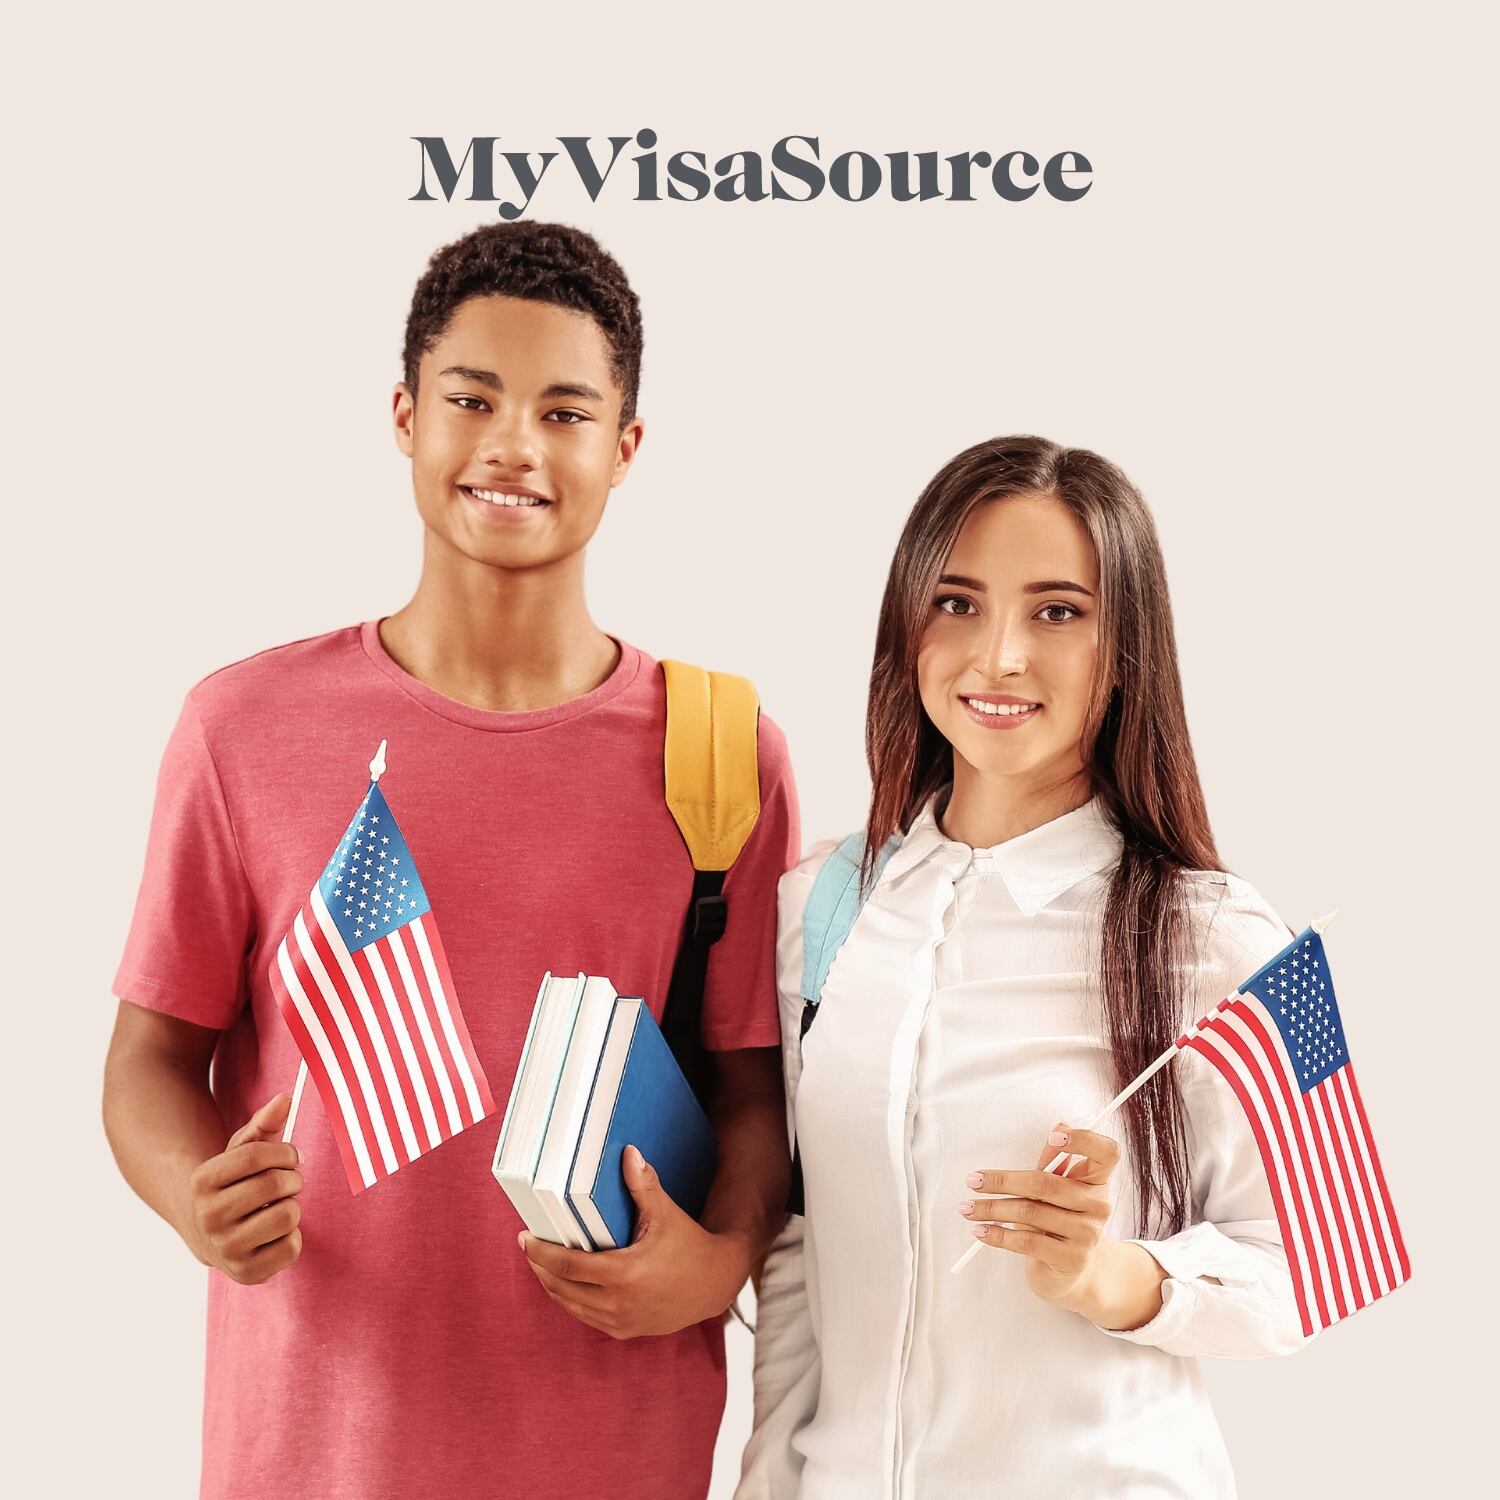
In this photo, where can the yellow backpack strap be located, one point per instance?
(713, 781)
(713, 793)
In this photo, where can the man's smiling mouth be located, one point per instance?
(505, 496)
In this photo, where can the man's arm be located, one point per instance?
(748, 1108)
(677, 1272)
(232, 1199)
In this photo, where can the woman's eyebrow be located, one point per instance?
(1046, 586)
(1057, 585)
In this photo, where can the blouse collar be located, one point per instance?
(1036, 866)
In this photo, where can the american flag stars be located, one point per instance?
(370, 882)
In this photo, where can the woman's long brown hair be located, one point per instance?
(1135, 747)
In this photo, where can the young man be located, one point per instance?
(398, 1342)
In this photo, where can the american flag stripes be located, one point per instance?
(364, 985)
(1279, 1044)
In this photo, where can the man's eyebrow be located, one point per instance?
(1046, 586)
(479, 377)
(574, 388)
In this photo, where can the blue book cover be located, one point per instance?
(656, 1111)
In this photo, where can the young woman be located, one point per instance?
(1054, 914)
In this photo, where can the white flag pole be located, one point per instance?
(1320, 927)
(377, 770)
(1138, 1082)
(291, 1114)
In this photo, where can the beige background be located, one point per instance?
(1270, 311)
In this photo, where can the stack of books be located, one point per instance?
(595, 1076)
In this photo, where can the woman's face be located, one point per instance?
(1013, 626)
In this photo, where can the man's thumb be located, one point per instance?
(266, 1123)
(644, 1184)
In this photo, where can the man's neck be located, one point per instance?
(505, 641)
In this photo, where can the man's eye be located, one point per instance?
(947, 599)
(568, 418)
(1068, 613)
(468, 403)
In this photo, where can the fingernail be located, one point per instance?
(981, 1231)
(521, 1239)
(975, 1179)
(1058, 1138)
(636, 1159)
(966, 1207)
(299, 1155)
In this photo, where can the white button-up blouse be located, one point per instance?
(960, 1021)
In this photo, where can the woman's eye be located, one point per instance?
(1068, 613)
(947, 599)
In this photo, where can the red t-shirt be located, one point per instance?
(410, 1350)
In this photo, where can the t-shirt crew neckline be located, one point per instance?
(626, 670)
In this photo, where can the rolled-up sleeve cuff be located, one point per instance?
(1179, 1294)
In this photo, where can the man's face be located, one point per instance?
(514, 433)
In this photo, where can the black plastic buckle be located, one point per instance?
(710, 914)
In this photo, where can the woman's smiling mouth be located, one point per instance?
(1000, 712)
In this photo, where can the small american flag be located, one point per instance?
(1279, 1043)
(364, 985)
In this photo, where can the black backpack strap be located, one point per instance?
(707, 915)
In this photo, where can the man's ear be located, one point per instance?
(403, 416)
(630, 444)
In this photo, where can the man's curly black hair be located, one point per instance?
(543, 263)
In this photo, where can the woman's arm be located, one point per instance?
(1228, 1290)
(1221, 1286)
(786, 1372)
(786, 1349)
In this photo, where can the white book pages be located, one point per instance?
(574, 1086)
(598, 1113)
(536, 1079)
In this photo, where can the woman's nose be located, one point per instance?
(1002, 651)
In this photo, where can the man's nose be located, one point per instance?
(509, 442)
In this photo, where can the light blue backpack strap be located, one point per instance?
(832, 907)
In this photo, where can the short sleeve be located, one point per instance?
(193, 927)
(739, 997)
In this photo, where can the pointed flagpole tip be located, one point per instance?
(377, 766)
(1323, 923)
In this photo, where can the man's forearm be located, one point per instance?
(748, 1199)
(162, 1122)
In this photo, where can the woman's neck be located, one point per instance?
(986, 810)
